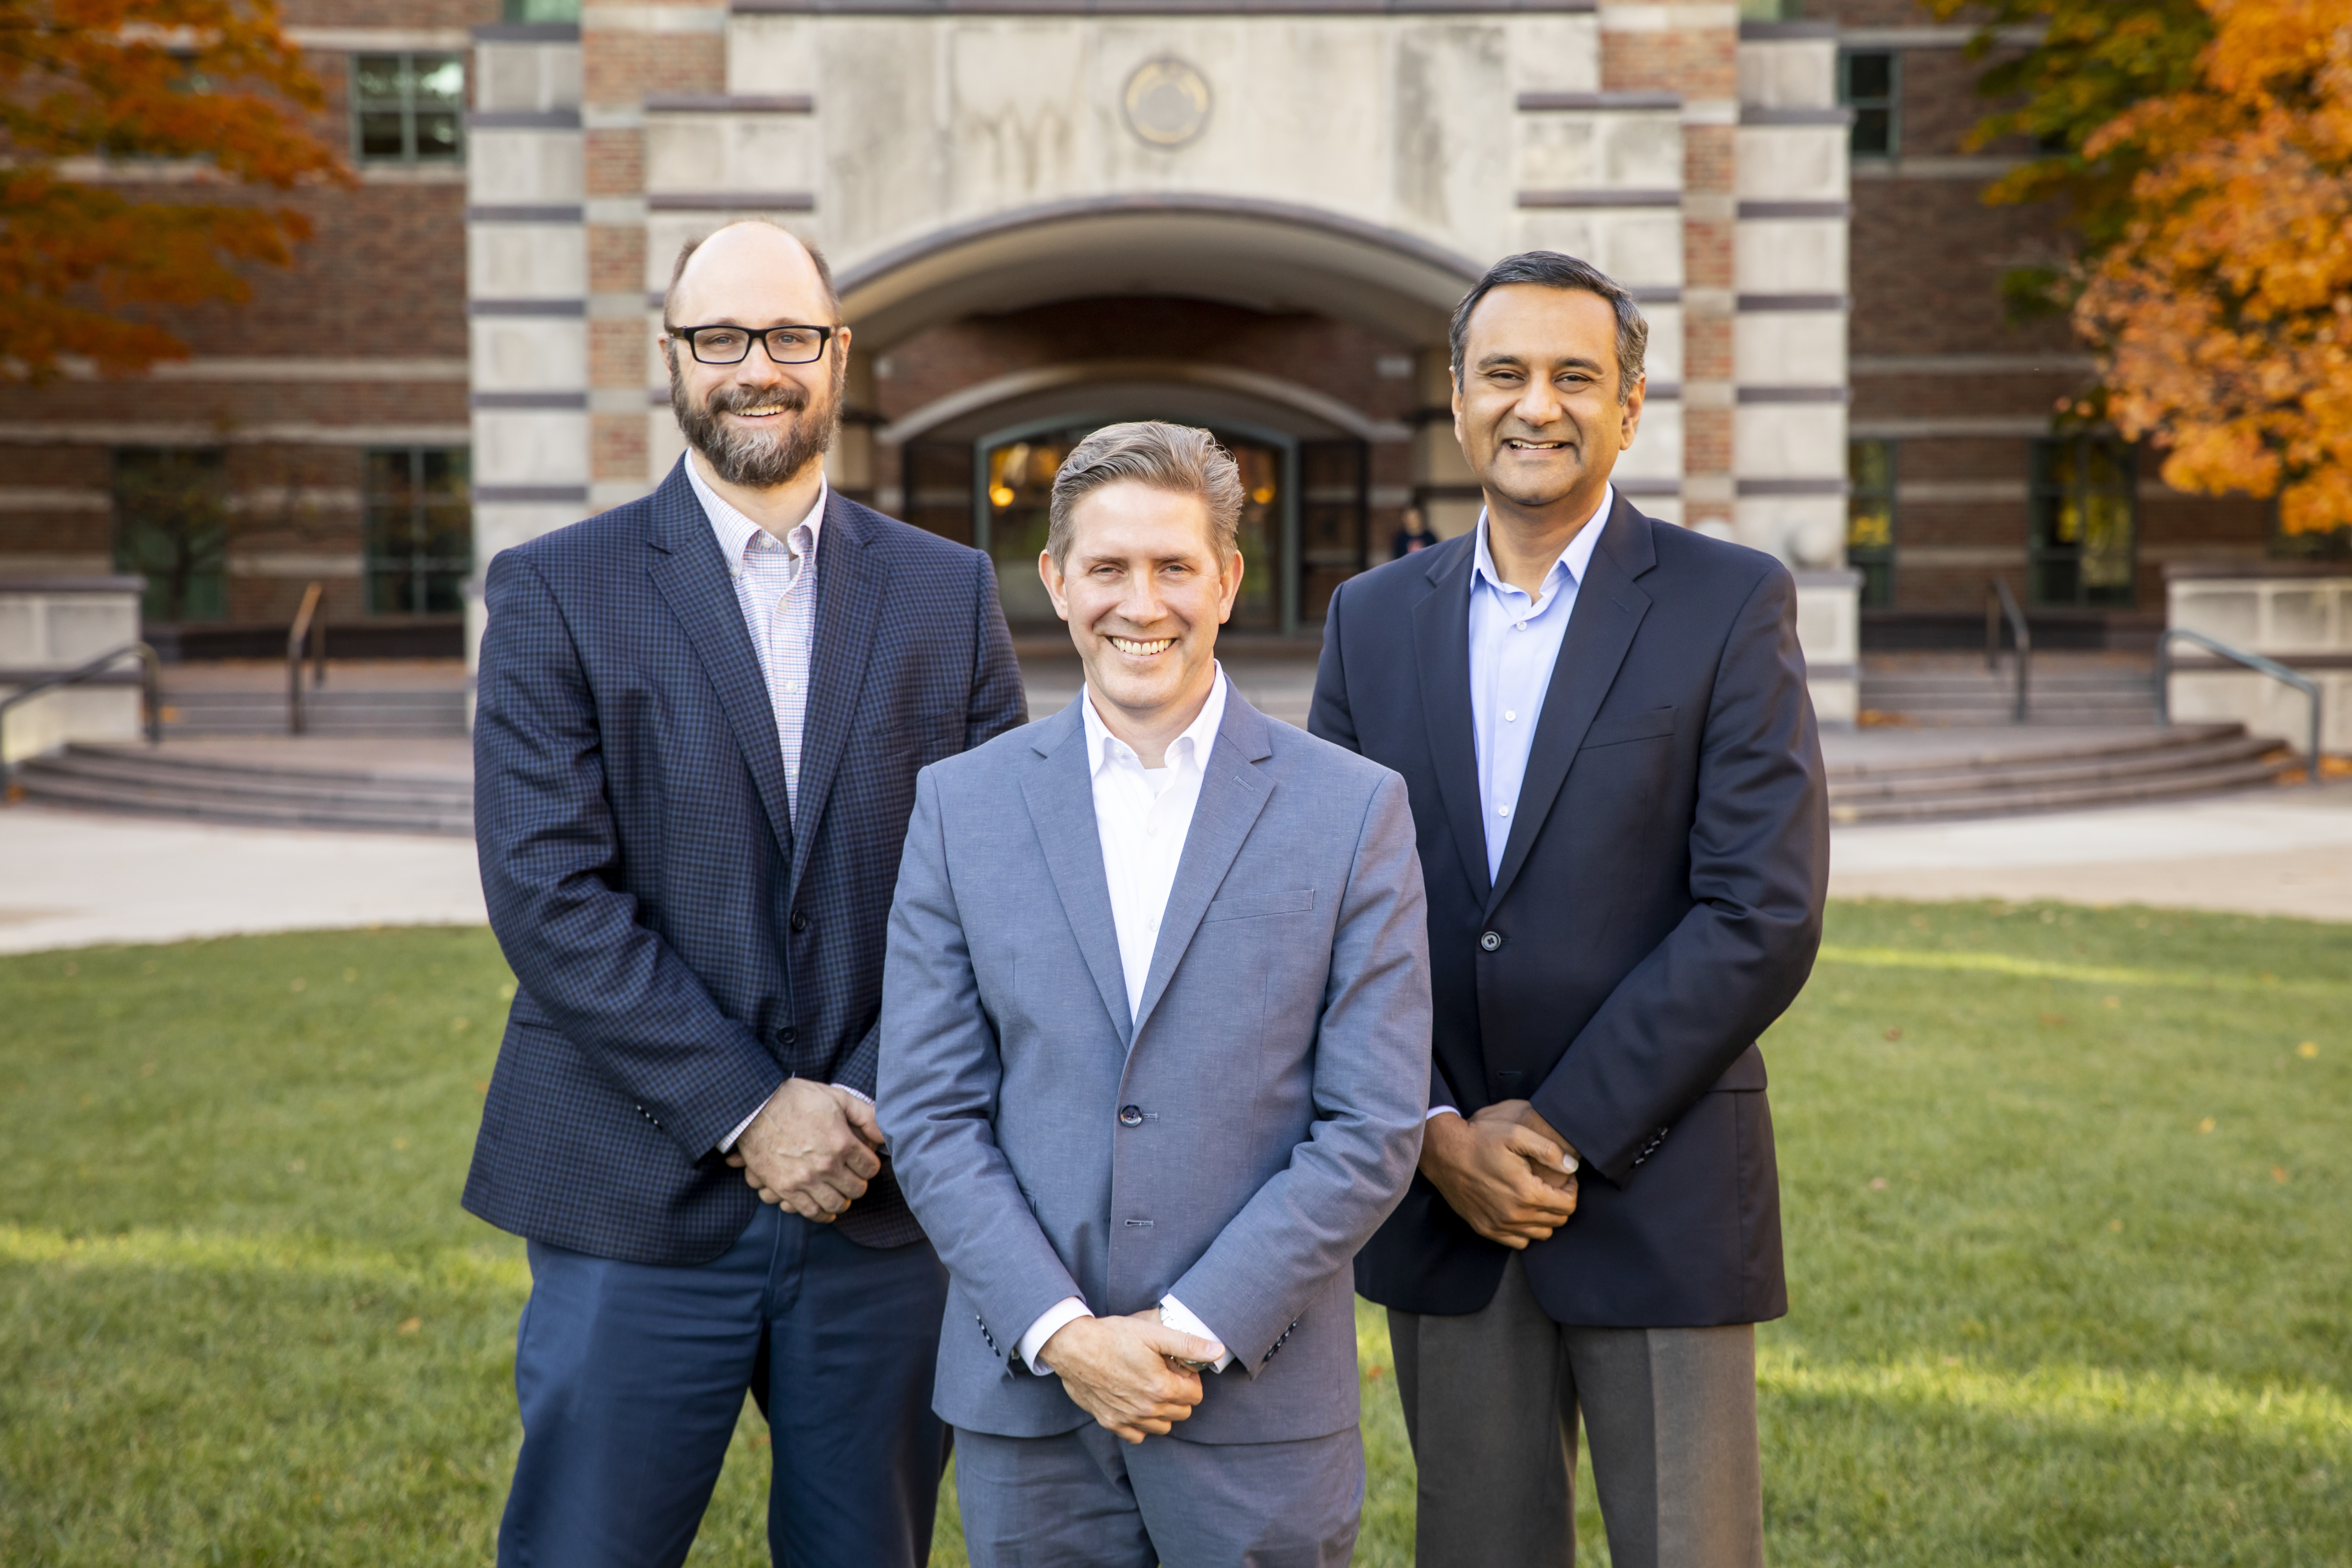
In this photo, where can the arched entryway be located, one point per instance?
(1303, 340)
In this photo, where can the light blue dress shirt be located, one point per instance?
(1515, 640)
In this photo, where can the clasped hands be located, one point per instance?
(813, 1149)
(1124, 1371)
(1505, 1171)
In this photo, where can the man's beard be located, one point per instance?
(750, 457)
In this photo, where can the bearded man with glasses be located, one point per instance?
(701, 717)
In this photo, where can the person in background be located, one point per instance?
(1412, 535)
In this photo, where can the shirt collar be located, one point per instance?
(1575, 560)
(1201, 731)
(735, 532)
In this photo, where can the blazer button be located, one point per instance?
(1130, 1116)
(787, 1034)
(799, 920)
(1491, 941)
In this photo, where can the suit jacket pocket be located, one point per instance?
(1296, 902)
(1625, 727)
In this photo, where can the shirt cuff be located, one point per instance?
(1437, 1111)
(855, 1093)
(727, 1144)
(1179, 1316)
(1068, 1309)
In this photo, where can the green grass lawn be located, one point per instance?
(2069, 1207)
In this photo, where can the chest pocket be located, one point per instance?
(1625, 728)
(1296, 902)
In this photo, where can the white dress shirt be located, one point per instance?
(775, 588)
(1515, 642)
(1142, 816)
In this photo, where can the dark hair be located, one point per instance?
(1177, 458)
(1551, 269)
(686, 253)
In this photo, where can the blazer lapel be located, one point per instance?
(1060, 790)
(1233, 794)
(1441, 638)
(1609, 610)
(690, 575)
(850, 578)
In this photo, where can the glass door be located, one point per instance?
(1013, 512)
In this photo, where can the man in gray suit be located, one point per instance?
(1155, 1058)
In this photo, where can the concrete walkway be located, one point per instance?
(70, 878)
(2279, 851)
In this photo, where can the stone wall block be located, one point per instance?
(1793, 162)
(1788, 73)
(530, 447)
(530, 354)
(524, 168)
(1790, 440)
(1792, 256)
(1791, 348)
(526, 261)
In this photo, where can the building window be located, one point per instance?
(1771, 10)
(2081, 549)
(543, 10)
(419, 531)
(171, 527)
(408, 107)
(1870, 82)
(1870, 520)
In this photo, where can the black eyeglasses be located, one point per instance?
(732, 345)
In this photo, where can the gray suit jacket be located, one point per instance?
(1236, 1145)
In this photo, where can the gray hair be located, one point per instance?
(1177, 458)
(1551, 269)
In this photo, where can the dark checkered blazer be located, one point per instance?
(679, 949)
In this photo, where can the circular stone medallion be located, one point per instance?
(1166, 102)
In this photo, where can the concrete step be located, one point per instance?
(329, 711)
(2158, 765)
(121, 779)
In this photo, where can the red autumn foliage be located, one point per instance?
(134, 135)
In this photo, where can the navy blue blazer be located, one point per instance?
(1659, 903)
(679, 949)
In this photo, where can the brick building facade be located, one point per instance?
(1206, 223)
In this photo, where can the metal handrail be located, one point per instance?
(311, 616)
(2001, 602)
(151, 686)
(2254, 661)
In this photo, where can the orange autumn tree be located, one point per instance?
(2223, 315)
(206, 97)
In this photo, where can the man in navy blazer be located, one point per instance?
(1618, 794)
(701, 719)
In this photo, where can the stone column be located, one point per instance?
(1691, 51)
(527, 286)
(634, 58)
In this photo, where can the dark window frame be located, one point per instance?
(2080, 470)
(407, 106)
(1871, 137)
(171, 528)
(422, 580)
(1875, 563)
